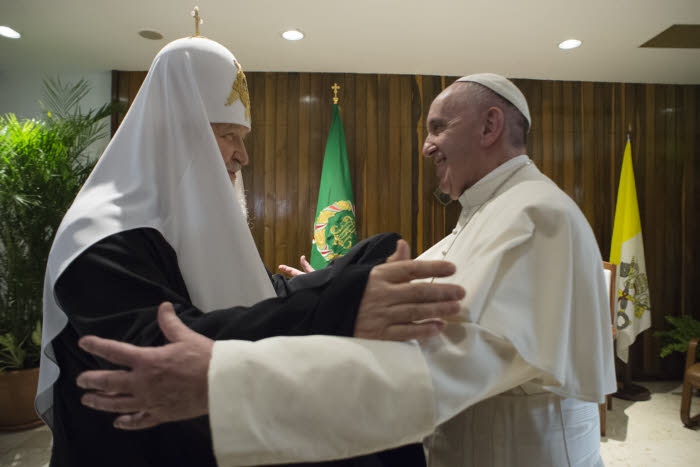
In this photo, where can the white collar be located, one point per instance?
(485, 188)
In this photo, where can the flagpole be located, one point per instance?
(336, 99)
(626, 389)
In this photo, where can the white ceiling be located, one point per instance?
(439, 37)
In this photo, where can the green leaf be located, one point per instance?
(11, 352)
(36, 334)
(683, 329)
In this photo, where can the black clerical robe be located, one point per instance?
(113, 290)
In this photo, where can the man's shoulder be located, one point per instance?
(135, 249)
(538, 190)
(133, 242)
(538, 199)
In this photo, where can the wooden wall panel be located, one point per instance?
(125, 86)
(577, 138)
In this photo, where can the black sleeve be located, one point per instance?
(370, 251)
(279, 283)
(113, 290)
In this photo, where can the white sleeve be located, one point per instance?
(468, 363)
(294, 399)
(291, 399)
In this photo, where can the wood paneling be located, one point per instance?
(577, 138)
(125, 86)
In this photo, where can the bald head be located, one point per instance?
(515, 125)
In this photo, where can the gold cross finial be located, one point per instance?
(335, 89)
(197, 20)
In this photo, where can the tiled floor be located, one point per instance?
(639, 434)
(650, 433)
(25, 448)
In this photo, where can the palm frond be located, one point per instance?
(61, 100)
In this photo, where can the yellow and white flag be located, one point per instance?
(633, 307)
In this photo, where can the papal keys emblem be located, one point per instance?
(334, 231)
(634, 292)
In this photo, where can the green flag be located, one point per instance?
(334, 228)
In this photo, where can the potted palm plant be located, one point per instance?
(43, 164)
(677, 336)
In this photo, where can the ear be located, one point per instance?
(494, 124)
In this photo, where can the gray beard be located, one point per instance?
(240, 195)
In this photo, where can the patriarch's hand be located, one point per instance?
(290, 271)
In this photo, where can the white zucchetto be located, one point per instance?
(504, 88)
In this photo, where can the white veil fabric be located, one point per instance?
(163, 170)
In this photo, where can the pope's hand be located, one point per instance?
(393, 308)
(305, 266)
(165, 383)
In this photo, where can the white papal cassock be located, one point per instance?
(513, 381)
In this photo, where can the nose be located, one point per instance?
(428, 148)
(241, 154)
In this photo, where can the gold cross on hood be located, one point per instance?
(240, 91)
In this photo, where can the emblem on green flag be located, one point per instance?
(334, 228)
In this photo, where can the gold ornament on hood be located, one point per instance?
(240, 91)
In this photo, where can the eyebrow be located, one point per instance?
(433, 122)
(227, 130)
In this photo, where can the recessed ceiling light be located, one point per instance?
(9, 32)
(293, 35)
(570, 44)
(152, 35)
